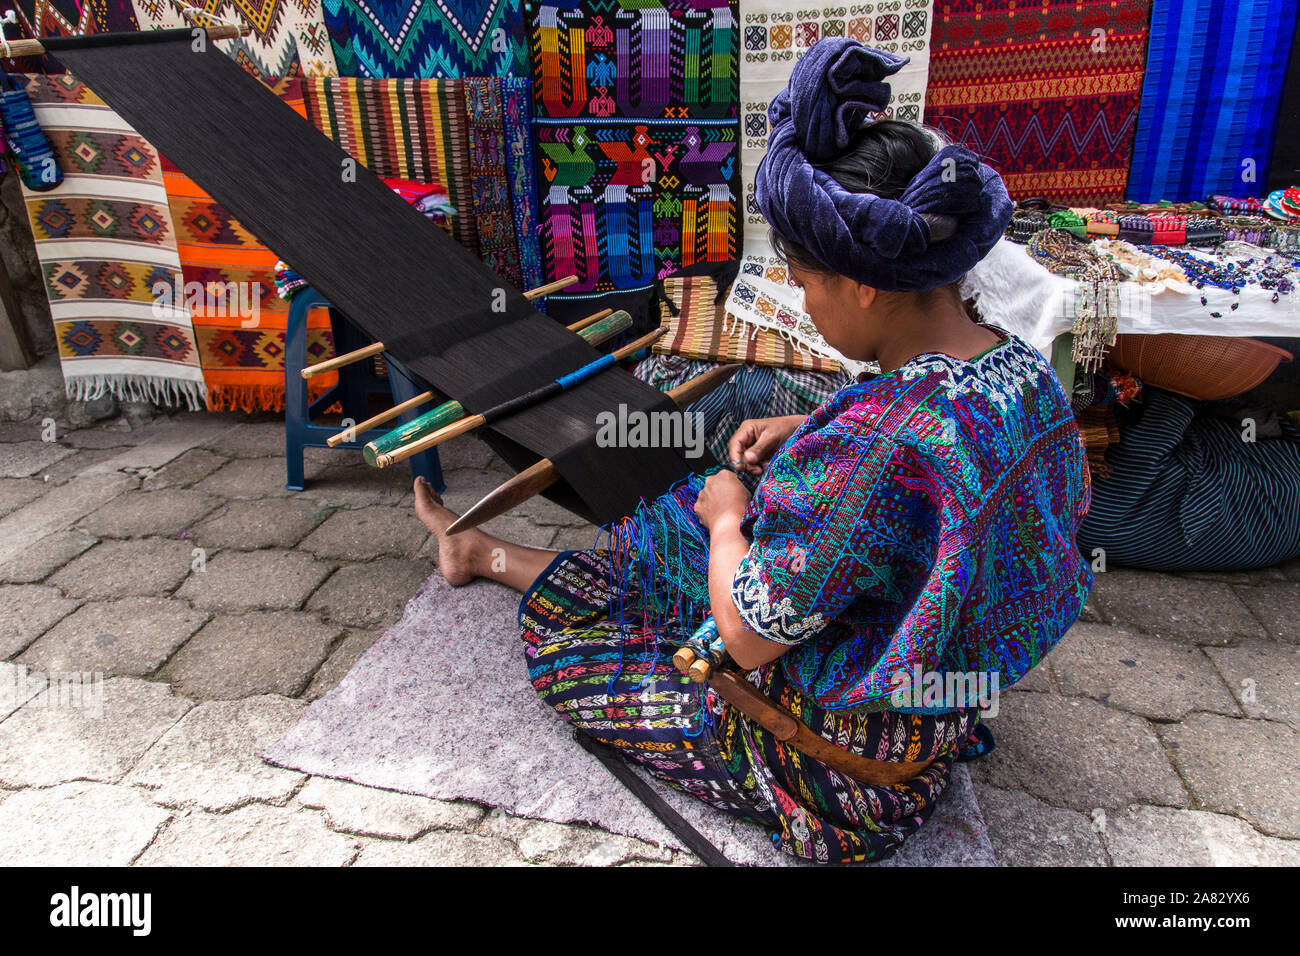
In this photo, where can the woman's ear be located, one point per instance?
(864, 294)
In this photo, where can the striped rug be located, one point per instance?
(402, 129)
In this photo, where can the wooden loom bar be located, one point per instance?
(515, 405)
(347, 358)
(604, 327)
(37, 48)
(538, 477)
(550, 287)
(350, 433)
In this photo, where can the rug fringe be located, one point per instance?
(155, 389)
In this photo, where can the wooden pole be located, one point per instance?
(221, 32)
(537, 478)
(550, 287)
(349, 434)
(594, 333)
(347, 358)
(472, 422)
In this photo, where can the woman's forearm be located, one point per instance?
(727, 547)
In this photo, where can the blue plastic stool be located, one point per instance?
(356, 383)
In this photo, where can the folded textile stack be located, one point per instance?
(431, 199)
(287, 282)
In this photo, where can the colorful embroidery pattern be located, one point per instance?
(608, 59)
(427, 39)
(1046, 94)
(626, 692)
(522, 171)
(925, 518)
(490, 183)
(626, 203)
(106, 241)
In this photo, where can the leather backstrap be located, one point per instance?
(788, 729)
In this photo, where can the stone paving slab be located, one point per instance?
(164, 441)
(16, 688)
(112, 569)
(237, 656)
(78, 825)
(119, 435)
(46, 742)
(57, 510)
(165, 513)
(1277, 607)
(16, 492)
(1161, 679)
(194, 465)
(211, 758)
(28, 611)
(249, 478)
(441, 849)
(574, 539)
(1025, 831)
(1162, 836)
(1074, 752)
(46, 556)
(237, 581)
(341, 659)
(1243, 767)
(256, 835)
(131, 637)
(361, 534)
(353, 484)
(1264, 677)
(253, 525)
(371, 594)
(1170, 606)
(540, 841)
(27, 458)
(368, 811)
(82, 463)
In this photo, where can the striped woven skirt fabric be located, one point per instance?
(603, 661)
(106, 244)
(402, 129)
(1046, 93)
(1185, 493)
(1214, 79)
(701, 330)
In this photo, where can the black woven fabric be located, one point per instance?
(395, 274)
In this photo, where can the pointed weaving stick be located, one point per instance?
(594, 330)
(537, 478)
(520, 402)
(374, 348)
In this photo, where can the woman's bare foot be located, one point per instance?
(458, 553)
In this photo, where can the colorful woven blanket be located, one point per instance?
(402, 129)
(107, 246)
(1215, 71)
(1046, 93)
(427, 39)
(288, 37)
(700, 330)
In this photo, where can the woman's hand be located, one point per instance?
(722, 501)
(757, 439)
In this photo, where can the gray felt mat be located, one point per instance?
(441, 706)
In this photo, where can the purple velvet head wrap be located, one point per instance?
(882, 243)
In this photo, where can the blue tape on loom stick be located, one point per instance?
(586, 372)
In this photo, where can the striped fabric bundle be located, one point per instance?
(1214, 78)
(403, 129)
(699, 331)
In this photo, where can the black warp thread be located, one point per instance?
(398, 276)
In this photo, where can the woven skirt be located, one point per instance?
(596, 657)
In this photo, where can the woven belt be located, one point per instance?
(793, 732)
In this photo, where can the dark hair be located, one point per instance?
(882, 158)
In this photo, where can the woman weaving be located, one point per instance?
(922, 520)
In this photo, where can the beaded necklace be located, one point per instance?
(1267, 270)
(1096, 318)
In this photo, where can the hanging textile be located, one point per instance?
(402, 129)
(1214, 79)
(1284, 163)
(1047, 93)
(490, 184)
(636, 132)
(427, 39)
(107, 247)
(288, 37)
(521, 167)
(61, 18)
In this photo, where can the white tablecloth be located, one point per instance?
(1018, 294)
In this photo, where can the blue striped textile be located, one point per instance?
(1186, 493)
(1210, 98)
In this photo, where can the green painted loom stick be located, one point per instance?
(448, 412)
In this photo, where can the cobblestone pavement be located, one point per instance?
(1162, 730)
